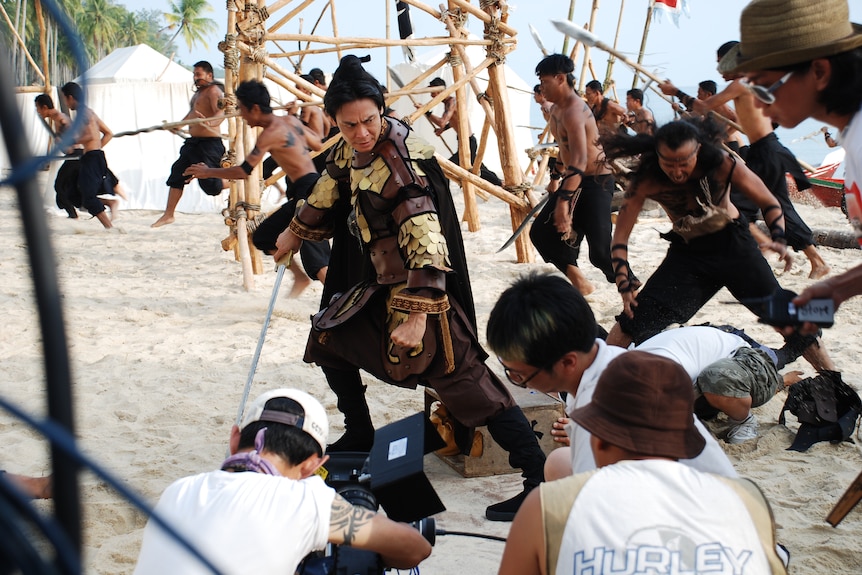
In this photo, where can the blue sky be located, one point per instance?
(684, 54)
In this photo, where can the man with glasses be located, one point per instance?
(804, 60)
(766, 157)
(683, 169)
(544, 334)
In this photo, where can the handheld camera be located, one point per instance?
(779, 310)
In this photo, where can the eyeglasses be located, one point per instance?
(516, 378)
(767, 95)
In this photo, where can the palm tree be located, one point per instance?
(99, 23)
(133, 30)
(187, 16)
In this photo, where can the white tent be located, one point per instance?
(520, 98)
(137, 87)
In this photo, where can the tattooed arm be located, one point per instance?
(401, 546)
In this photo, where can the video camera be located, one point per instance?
(779, 310)
(391, 476)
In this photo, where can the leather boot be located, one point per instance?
(511, 430)
(358, 429)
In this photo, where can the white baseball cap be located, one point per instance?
(313, 421)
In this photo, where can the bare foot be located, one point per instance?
(579, 280)
(163, 221)
(300, 282)
(819, 271)
(112, 205)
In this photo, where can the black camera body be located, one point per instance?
(779, 310)
(390, 475)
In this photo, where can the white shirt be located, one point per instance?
(658, 517)
(242, 522)
(851, 139)
(691, 355)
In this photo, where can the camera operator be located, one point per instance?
(265, 509)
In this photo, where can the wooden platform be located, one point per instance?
(541, 411)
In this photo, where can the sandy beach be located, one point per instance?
(161, 337)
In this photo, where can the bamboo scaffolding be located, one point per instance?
(485, 17)
(380, 42)
(253, 34)
(468, 68)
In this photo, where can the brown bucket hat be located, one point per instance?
(778, 33)
(644, 403)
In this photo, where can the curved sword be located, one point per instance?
(536, 209)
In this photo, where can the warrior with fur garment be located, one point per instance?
(410, 321)
(683, 169)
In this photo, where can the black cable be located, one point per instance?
(43, 265)
(468, 534)
(61, 440)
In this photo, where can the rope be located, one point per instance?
(259, 55)
(242, 205)
(231, 53)
(520, 190)
(497, 49)
(229, 102)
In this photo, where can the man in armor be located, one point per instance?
(410, 320)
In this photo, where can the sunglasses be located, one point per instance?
(764, 94)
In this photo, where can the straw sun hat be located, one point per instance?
(778, 33)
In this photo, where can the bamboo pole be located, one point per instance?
(22, 44)
(425, 8)
(591, 26)
(301, 52)
(480, 150)
(459, 174)
(569, 18)
(462, 54)
(43, 44)
(278, 5)
(386, 4)
(29, 89)
(285, 19)
(451, 89)
(612, 59)
(334, 24)
(512, 173)
(462, 129)
(381, 42)
(246, 50)
(643, 43)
